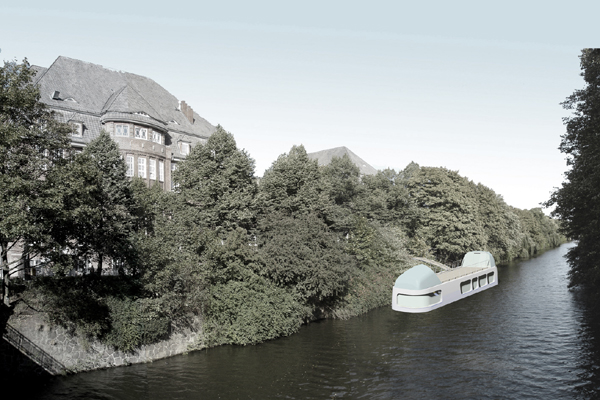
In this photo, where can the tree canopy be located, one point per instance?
(576, 200)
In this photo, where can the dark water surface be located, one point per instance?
(528, 337)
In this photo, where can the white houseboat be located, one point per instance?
(420, 289)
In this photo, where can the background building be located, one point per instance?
(153, 129)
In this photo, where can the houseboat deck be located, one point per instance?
(449, 275)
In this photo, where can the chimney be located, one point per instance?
(56, 95)
(187, 111)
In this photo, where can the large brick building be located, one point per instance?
(153, 129)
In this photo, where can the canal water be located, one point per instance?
(527, 338)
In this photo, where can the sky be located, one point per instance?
(465, 85)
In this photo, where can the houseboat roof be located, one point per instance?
(418, 277)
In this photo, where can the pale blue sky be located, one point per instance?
(463, 85)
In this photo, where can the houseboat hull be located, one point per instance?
(424, 300)
(421, 290)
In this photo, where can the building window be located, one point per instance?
(156, 137)
(152, 169)
(141, 167)
(122, 130)
(141, 133)
(173, 168)
(129, 161)
(77, 129)
(185, 148)
(161, 171)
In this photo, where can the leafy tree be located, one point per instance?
(304, 256)
(216, 184)
(576, 200)
(98, 213)
(32, 143)
(387, 200)
(293, 185)
(449, 222)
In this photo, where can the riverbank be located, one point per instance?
(78, 354)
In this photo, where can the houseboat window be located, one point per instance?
(475, 286)
(482, 281)
(419, 301)
(491, 277)
(465, 286)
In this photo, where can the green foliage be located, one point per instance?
(216, 184)
(293, 185)
(244, 307)
(250, 311)
(32, 144)
(448, 221)
(303, 255)
(576, 200)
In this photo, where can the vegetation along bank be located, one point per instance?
(223, 258)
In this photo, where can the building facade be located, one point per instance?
(154, 130)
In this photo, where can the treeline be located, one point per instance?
(255, 260)
(576, 200)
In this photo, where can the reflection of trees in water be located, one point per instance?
(589, 341)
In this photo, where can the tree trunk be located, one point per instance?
(5, 273)
(99, 269)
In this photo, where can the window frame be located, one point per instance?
(142, 173)
(138, 133)
(129, 161)
(152, 169)
(124, 130)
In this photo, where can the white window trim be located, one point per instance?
(123, 131)
(152, 169)
(141, 133)
(142, 167)
(78, 128)
(161, 171)
(129, 160)
(187, 147)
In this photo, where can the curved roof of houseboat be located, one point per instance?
(418, 277)
(480, 259)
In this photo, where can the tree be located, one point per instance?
(32, 145)
(216, 184)
(449, 222)
(97, 219)
(576, 200)
(293, 185)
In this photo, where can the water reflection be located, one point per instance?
(528, 337)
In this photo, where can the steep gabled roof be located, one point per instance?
(90, 88)
(324, 157)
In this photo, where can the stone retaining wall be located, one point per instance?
(77, 354)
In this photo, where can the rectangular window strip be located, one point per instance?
(152, 168)
(129, 165)
(173, 168)
(142, 167)
(161, 171)
(185, 148)
(156, 137)
(141, 133)
(122, 130)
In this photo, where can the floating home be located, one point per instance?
(420, 289)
